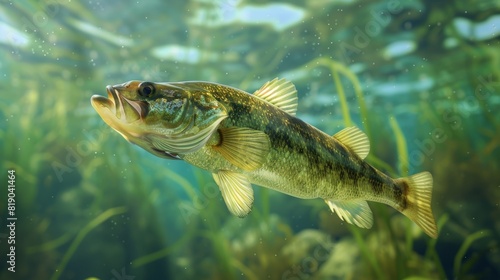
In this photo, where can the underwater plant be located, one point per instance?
(421, 79)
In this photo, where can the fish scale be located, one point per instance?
(255, 139)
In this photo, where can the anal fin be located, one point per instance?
(353, 212)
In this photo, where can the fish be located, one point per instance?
(246, 139)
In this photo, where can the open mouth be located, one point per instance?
(124, 109)
(99, 102)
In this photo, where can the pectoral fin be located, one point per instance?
(243, 147)
(353, 211)
(355, 140)
(236, 191)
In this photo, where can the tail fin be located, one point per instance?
(418, 190)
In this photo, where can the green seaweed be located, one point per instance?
(457, 263)
(45, 112)
(50, 245)
(162, 253)
(337, 68)
(249, 274)
(82, 234)
(264, 197)
(402, 152)
(367, 254)
(402, 149)
(431, 254)
(221, 249)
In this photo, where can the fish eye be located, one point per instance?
(146, 89)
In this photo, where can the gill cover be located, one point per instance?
(187, 119)
(185, 142)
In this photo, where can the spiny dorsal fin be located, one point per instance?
(281, 93)
(243, 147)
(354, 212)
(236, 191)
(354, 139)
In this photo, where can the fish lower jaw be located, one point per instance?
(102, 104)
(128, 130)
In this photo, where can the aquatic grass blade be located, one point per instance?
(81, 235)
(140, 261)
(401, 146)
(336, 68)
(431, 253)
(463, 249)
(356, 232)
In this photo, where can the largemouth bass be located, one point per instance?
(245, 139)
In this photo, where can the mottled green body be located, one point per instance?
(245, 139)
(303, 161)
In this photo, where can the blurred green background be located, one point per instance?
(421, 78)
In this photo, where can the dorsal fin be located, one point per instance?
(281, 93)
(354, 139)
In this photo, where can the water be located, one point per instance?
(91, 206)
